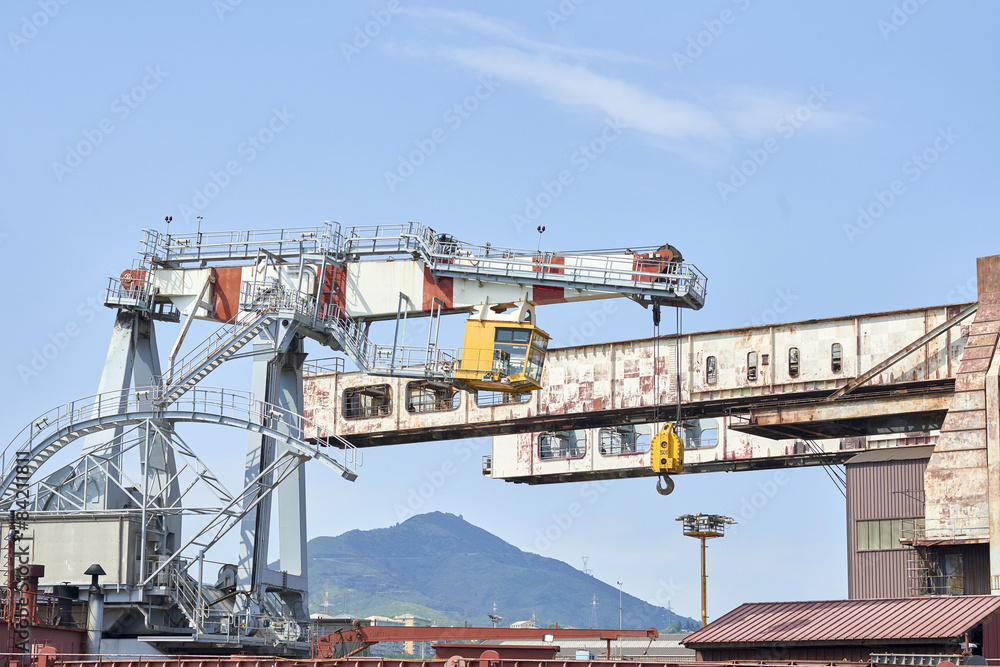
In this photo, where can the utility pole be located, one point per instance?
(619, 618)
(619, 605)
(704, 526)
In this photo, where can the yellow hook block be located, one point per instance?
(666, 451)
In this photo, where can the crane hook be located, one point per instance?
(668, 485)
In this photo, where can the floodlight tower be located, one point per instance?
(704, 526)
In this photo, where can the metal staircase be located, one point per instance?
(213, 352)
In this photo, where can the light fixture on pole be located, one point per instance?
(704, 526)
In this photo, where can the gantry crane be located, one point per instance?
(270, 290)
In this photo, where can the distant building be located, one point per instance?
(532, 623)
(385, 648)
(422, 649)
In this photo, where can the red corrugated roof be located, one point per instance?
(848, 620)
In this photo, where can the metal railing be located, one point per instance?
(913, 658)
(218, 342)
(631, 272)
(62, 423)
(162, 249)
(326, 365)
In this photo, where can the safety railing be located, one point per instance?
(326, 365)
(378, 359)
(62, 421)
(380, 239)
(134, 291)
(43, 608)
(914, 658)
(269, 295)
(161, 249)
(631, 272)
(217, 342)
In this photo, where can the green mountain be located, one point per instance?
(441, 567)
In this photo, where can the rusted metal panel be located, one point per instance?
(957, 484)
(921, 618)
(617, 380)
(853, 409)
(969, 400)
(263, 661)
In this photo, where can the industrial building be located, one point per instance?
(921, 630)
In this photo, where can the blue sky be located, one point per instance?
(838, 158)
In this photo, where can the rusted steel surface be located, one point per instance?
(957, 480)
(918, 618)
(326, 646)
(851, 410)
(600, 384)
(905, 352)
(254, 661)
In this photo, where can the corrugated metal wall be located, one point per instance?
(881, 490)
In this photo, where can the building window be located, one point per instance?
(422, 396)
(560, 445)
(836, 358)
(752, 366)
(710, 376)
(793, 362)
(885, 534)
(619, 440)
(489, 399)
(373, 400)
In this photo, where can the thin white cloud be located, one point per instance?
(579, 87)
(701, 125)
(511, 33)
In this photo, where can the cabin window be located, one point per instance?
(710, 376)
(489, 399)
(619, 440)
(561, 445)
(700, 434)
(836, 358)
(514, 342)
(374, 400)
(424, 396)
(752, 366)
(793, 362)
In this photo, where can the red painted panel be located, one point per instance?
(443, 289)
(133, 280)
(541, 294)
(551, 259)
(650, 264)
(226, 293)
(333, 287)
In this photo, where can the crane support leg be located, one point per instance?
(277, 380)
